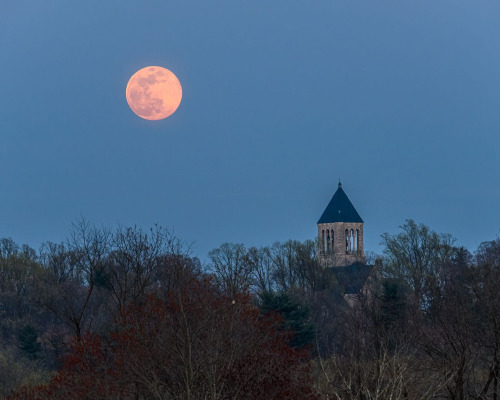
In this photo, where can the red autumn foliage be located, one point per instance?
(194, 344)
(87, 373)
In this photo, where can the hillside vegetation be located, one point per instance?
(131, 314)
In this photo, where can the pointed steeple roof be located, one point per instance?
(340, 209)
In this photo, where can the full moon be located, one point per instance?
(154, 93)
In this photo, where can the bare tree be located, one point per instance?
(78, 268)
(484, 277)
(376, 355)
(232, 268)
(416, 254)
(263, 271)
(133, 263)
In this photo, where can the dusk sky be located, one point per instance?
(281, 98)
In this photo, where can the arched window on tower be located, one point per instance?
(357, 240)
(351, 242)
(347, 241)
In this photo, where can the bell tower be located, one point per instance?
(340, 232)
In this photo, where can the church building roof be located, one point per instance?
(352, 278)
(340, 209)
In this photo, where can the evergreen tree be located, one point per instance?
(295, 317)
(28, 341)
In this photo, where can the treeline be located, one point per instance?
(130, 313)
(50, 299)
(425, 325)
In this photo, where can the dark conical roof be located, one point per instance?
(340, 209)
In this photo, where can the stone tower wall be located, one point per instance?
(344, 249)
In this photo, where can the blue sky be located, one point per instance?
(399, 99)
